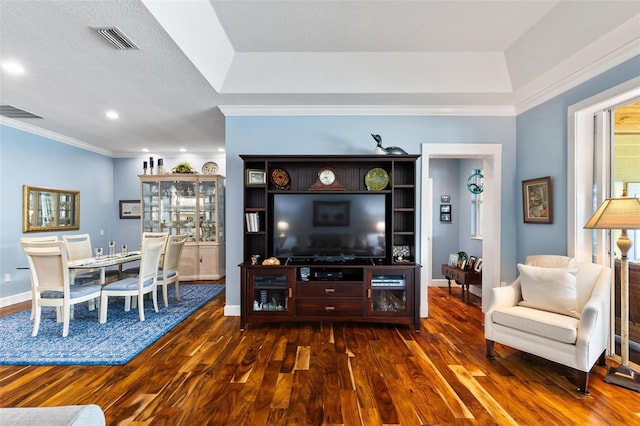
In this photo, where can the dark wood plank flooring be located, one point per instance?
(206, 371)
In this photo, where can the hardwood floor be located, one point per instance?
(206, 371)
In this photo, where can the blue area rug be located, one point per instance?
(116, 342)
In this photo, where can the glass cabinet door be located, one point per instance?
(150, 207)
(270, 292)
(208, 206)
(178, 208)
(388, 293)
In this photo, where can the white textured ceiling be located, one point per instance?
(299, 56)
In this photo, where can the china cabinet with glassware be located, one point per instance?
(190, 205)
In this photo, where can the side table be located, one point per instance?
(463, 277)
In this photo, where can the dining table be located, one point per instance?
(105, 262)
(102, 263)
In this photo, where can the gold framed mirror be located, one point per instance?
(47, 209)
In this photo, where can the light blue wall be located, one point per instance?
(28, 159)
(352, 135)
(445, 177)
(542, 151)
(449, 177)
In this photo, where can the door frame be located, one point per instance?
(491, 155)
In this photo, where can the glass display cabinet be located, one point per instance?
(193, 206)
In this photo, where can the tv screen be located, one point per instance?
(320, 226)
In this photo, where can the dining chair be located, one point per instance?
(168, 273)
(146, 236)
(79, 247)
(145, 282)
(37, 240)
(51, 284)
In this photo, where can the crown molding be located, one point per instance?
(594, 69)
(406, 110)
(53, 136)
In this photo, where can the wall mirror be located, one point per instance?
(47, 209)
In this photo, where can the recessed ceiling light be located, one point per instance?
(183, 149)
(145, 149)
(220, 149)
(112, 115)
(13, 67)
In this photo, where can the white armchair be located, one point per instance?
(546, 324)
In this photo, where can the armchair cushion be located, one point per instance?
(560, 328)
(549, 289)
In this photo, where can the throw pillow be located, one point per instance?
(549, 289)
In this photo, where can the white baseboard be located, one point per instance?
(232, 310)
(439, 282)
(15, 299)
(475, 290)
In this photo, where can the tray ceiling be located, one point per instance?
(201, 58)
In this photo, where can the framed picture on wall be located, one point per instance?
(130, 209)
(537, 201)
(445, 212)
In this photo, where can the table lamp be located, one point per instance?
(621, 213)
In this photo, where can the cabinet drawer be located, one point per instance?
(329, 307)
(329, 289)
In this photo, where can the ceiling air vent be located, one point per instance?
(12, 112)
(117, 38)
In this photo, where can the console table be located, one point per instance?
(463, 277)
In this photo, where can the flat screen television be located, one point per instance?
(329, 226)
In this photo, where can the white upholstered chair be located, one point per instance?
(146, 236)
(36, 240)
(79, 247)
(144, 283)
(558, 309)
(168, 273)
(51, 283)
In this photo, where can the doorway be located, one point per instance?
(589, 173)
(491, 156)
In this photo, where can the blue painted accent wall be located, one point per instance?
(542, 151)
(352, 134)
(28, 159)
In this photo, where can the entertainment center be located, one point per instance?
(343, 230)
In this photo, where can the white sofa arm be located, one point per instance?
(502, 297)
(592, 327)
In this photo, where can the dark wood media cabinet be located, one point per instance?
(380, 293)
(377, 287)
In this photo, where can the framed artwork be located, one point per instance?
(537, 200)
(478, 265)
(130, 209)
(331, 213)
(471, 263)
(453, 260)
(445, 198)
(445, 212)
(256, 177)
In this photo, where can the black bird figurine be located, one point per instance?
(391, 150)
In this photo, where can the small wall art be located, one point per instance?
(130, 209)
(445, 212)
(537, 204)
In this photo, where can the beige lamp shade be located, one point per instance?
(616, 213)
